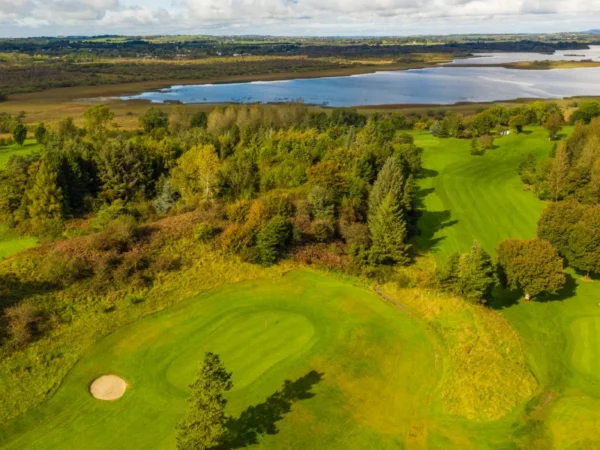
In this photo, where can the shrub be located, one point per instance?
(323, 230)
(204, 232)
(273, 239)
(63, 269)
(238, 212)
(24, 323)
(118, 235)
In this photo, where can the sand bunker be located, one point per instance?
(108, 387)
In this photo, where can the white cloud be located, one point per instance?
(295, 16)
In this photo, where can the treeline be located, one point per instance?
(570, 179)
(275, 177)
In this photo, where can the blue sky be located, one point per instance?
(294, 17)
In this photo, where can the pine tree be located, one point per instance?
(447, 275)
(557, 222)
(204, 424)
(19, 133)
(476, 275)
(40, 133)
(388, 233)
(389, 181)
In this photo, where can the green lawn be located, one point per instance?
(11, 242)
(481, 198)
(6, 152)
(374, 371)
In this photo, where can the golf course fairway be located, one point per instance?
(361, 370)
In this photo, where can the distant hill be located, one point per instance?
(594, 31)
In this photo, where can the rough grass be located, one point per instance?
(373, 371)
(485, 371)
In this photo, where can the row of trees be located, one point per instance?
(573, 170)
(531, 267)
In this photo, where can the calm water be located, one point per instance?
(592, 53)
(440, 85)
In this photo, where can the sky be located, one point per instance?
(22, 18)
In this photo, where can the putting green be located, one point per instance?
(376, 366)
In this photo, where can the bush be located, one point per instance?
(323, 230)
(238, 212)
(24, 323)
(118, 235)
(204, 232)
(63, 269)
(273, 239)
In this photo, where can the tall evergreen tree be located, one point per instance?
(557, 222)
(476, 275)
(448, 275)
(204, 424)
(389, 181)
(45, 198)
(388, 233)
(19, 133)
(273, 239)
(40, 133)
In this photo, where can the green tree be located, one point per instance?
(153, 118)
(66, 128)
(554, 124)
(388, 233)
(559, 172)
(40, 133)
(96, 119)
(204, 423)
(45, 200)
(583, 250)
(195, 175)
(20, 133)
(476, 275)
(273, 239)
(390, 180)
(557, 222)
(448, 275)
(516, 123)
(199, 120)
(534, 267)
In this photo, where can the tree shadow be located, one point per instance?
(13, 290)
(427, 173)
(262, 419)
(505, 298)
(430, 222)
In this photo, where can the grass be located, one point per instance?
(6, 152)
(481, 198)
(11, 243)
(362, 349)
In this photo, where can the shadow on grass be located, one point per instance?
(505, 298)
(430, 222)
(262, 419)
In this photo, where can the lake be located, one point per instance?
(440, 85)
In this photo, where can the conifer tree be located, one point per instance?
(273, 239)
(20, 133)
(389, 181)
(40, 133)
(583, 250)
(476, 275)
(204, 424)
(447, 275)
(388, 233)
(45, 198)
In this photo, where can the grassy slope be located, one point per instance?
(482, 198)
(10, 243)
(367, 351)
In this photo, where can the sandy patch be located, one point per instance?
(108, 387)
